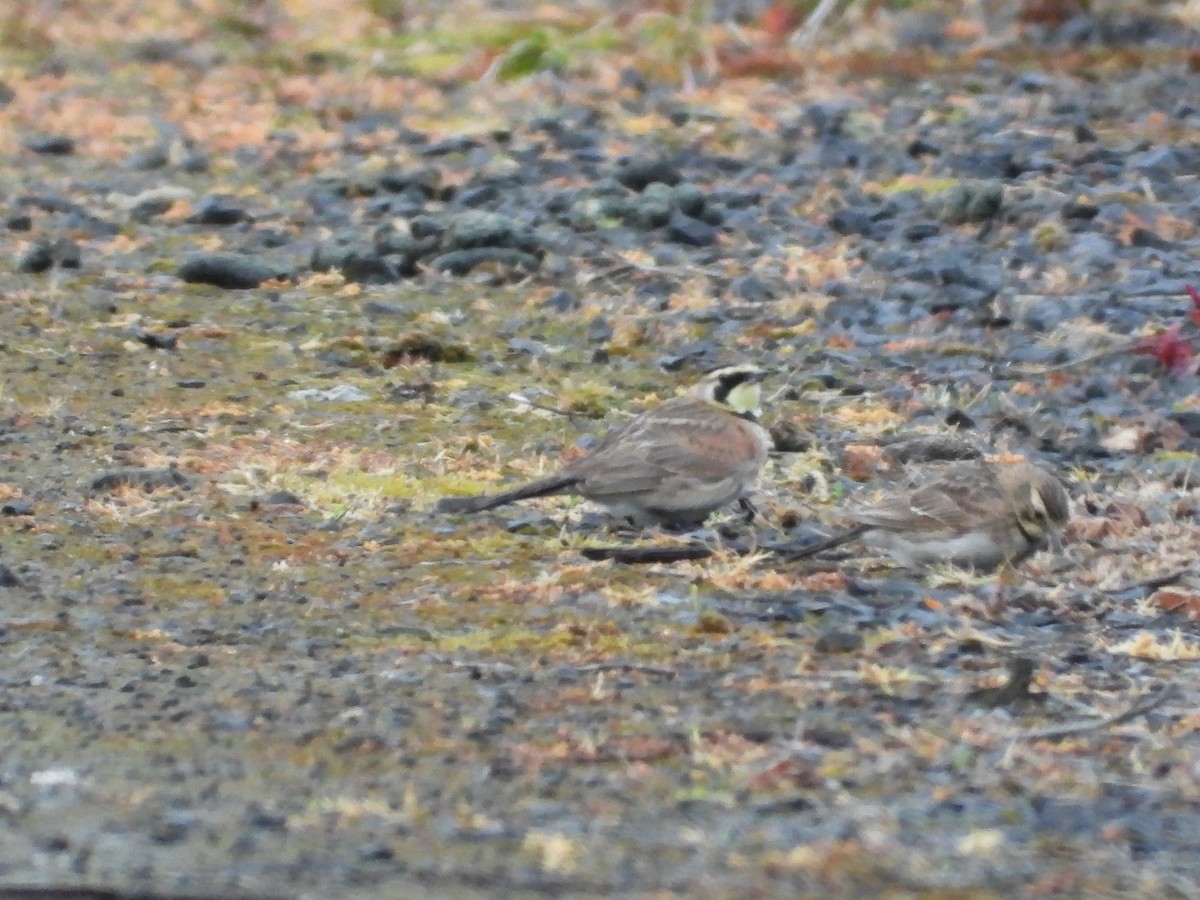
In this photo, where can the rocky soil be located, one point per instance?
(274, 281)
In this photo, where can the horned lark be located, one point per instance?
(973, 514)
(672, 465)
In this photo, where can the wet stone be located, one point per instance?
(51, 145)
(232, 271)
(639, 173)
(689, 231)
(217, 210)
(37, 257)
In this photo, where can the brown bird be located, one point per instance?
(672, 465)
(973, 514)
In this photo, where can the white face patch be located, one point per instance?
(1038, 504)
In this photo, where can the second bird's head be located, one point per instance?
(738, 387)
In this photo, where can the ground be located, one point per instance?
(276, 277)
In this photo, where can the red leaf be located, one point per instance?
(779, 20)
(1195, 295)
(1170, 348)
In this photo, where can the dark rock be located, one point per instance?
(838, 640)
(169, 832)
(689, 199)
(922, 231)
(142, 479)
(19, 222)
(869, 221)
(281, 498)
(1144, 237)
(391, 242)
(426, 227)
(364, 265)
(37, 257)
(451, 146)
(692, 232)
(217, 210)
(921, 147)
(67, 254)
(997, 164)
(648, 211)
(562, 301)
(159, 340)
(16, 506)
(751, 289)
(736, 199)
(958, 419)
(1032, 83)
(8, 578)
(1082, 210)
(377, 308)
(478, 195)
(150, 208)
(472, 229)
(51, 145)
(426, 182)
(148, 160)
(638, 173)
(827, 120)
(258, 817)
(599, 331)
(194, 162)
(460, 262)
(406, 393)
(232, 271)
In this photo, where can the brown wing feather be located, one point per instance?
(955, 501)
(684, 440)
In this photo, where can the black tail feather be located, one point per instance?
(543, 487)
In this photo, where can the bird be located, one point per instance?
(973, 514)
(673, 465)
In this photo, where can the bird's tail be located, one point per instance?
(543, 487)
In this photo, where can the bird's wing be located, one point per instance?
(681, 443)
(958, 500)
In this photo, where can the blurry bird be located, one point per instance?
(672, 465)
(972, 514)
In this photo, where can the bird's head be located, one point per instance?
(1039, 498)
(738, 387)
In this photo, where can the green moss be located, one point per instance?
(907, 183)
(1049, 237)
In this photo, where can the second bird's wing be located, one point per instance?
(965, 495)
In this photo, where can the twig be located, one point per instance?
(627, 667)
(1154, 581)
(1140, 708)
(808, 31)
(1030, 371)
(533, 404)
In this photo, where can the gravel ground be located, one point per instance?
(266, 300)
